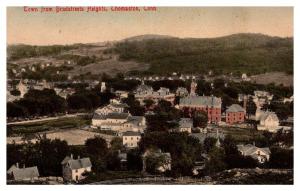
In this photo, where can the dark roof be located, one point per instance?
(131, 133)
(77, 163)
(117, 115)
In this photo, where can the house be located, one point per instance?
(186, 125)
(245, 77)
(25, 173)
(209, 104)
(114, 107)
(119, 122)
(262, 155)
(74, 169)
(288, 100)
(182, 92)
(261, 97)
(131, 139)
(235, 114)
(268, 121)
(164, 160)
(22, 87)
(144, 92)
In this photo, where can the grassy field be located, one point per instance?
(35, 127)
(241, 134)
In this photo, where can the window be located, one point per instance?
(131, 138)
(126, 138)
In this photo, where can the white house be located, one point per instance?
(268, 121)
(131, 139)
(28, 173)
(74, 169)
(262, 155)
(186, 125)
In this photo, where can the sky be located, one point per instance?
(38, 28)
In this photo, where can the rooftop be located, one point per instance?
(235, 108)
(205, 101)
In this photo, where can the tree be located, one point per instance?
(116, 144)
(113, 161)
(251, 107)
(209, 143)
(200, 119)
(134, 160)
(281, 158)
(134, 106)
(148, 103)
(154, 162)
(15, 110)
(15, 92)
(216, 163)
(41, 102)
(96, 147)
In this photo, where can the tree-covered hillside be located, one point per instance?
(250, 53)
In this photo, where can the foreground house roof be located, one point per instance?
(77, 163)
(23, 173)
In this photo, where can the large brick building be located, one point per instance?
(235, 114)
(209, 104)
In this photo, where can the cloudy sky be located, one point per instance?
(82, 27)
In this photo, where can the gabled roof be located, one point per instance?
(250, 149)
(77, 163)
(12, 168)
(271, 115)
(235, 108)
(115, 115)
(24, 173)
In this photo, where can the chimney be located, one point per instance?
(253, 143)
(78, 157)
(71, 156)
(17, 165)
(23, 165)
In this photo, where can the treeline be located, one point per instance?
(26, 51)
(240, 53)
(47, 102)
(48, 154)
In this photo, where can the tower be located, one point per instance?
(193, 88)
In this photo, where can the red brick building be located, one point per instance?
(235, 114)
(209, 104)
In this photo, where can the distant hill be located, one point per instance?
(237, 53)
(146, 37)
